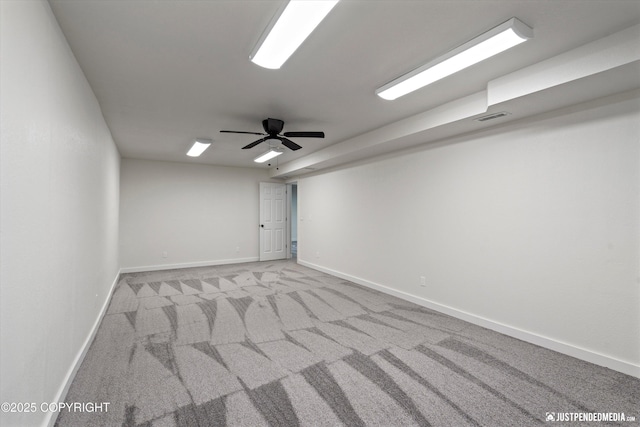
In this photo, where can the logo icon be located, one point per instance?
(551, 416)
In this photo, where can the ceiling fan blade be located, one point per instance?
(241, 131)
(289, 144)
(304, 134)
(254, 143)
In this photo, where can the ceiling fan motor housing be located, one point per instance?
(272, 126)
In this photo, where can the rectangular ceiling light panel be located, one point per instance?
(288, 29)
(503, 37)
(268, 155)
(198, 147)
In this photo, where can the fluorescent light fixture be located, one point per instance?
(288, 29)
(198, 147)
(273, 152)
(494, 41)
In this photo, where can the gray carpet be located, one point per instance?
(279, 344)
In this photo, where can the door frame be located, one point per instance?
(288, 219)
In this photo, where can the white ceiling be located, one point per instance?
(166, 72)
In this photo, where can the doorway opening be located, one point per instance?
(294, 221)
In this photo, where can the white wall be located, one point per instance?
(534, 226)
(59, 180)
(197, 214)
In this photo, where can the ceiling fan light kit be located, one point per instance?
(500, 38)
(198, 147)
(273, 152)
(288, 29)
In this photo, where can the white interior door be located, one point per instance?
(273, 221)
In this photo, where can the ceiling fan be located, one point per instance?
(272, 129)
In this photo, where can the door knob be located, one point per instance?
(262, 225)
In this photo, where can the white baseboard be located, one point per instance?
(187, 265)
(51, 417)
(560, 347)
